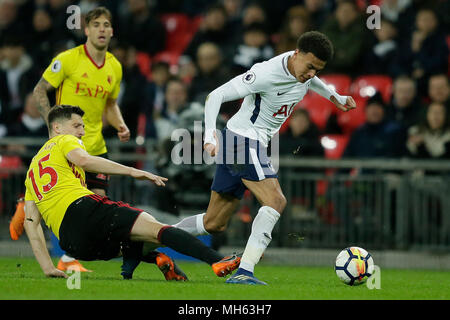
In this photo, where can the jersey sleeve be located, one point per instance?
(68, 143)
(118, 70)
(28, 195)
(58, 69)
(255, 80)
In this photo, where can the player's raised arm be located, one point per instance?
(343, 103)
(41, 97)
(37, 240)
(90, 163)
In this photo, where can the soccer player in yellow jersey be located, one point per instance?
(87, 76)
(92, 227)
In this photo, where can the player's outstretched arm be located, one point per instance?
(343, 103)
(37, 240)
(90, 163)
(41, 97)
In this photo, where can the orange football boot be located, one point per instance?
(169, 268)
(226, 265)
(74, 265)
(17, 221)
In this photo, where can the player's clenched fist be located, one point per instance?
(123, 133)
(349, 103)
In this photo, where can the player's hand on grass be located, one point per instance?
(144, 175)
(55, 273)
(123, 133)
(212, 149)
(349, 104)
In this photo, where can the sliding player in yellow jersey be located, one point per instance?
(87, 76)
(91, 227)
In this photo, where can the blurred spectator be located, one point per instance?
(443, 9)
(160, 74)
(255, 47)
(31, 123)
(405, 107)
(439, 89)
(57, 9)
(155, 96)
(431, 138)
(296, 23)
(253, 13)
(425, 52)
(15, 64)
(381, 55)
(399, 12)
(234, 14)
(9, 22)
(212, 29)
(141, 28)
(211, 72)
(176, 97)
(318, 11)
(347, 32)
(302, 136)
(4, 104)
(378, 137)
(42, 39)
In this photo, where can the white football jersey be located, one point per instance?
(271, 93)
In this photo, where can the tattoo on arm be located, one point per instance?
(40, 95)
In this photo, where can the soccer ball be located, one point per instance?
(354, 265)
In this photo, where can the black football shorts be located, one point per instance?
(95, 227)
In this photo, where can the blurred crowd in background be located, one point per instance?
(174, 53)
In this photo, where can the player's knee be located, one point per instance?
(278, 202)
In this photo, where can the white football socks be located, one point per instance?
(260, 237)
(193, 225)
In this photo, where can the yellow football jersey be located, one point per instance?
(81, 82)
(53, 182)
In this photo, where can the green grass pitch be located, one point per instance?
(22, 279)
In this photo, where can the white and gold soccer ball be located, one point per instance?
(354, 265)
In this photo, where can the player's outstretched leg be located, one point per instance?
(187, 244)
(146, 228)
(193, 225)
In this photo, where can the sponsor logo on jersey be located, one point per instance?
(95, 92)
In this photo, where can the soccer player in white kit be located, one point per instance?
(270, 90)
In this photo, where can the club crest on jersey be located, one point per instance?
(249, 77)
(56, 66)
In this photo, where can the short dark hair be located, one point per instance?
(317, 43)
(63, 111)
(97, 12)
